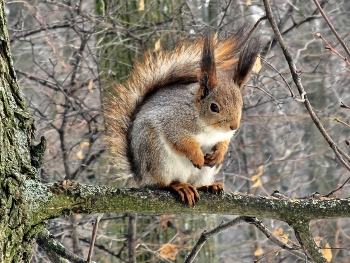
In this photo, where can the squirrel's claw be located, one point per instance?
(211, 159)
(198, 160)
(188, 193)
(216, 188)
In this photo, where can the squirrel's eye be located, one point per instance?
(214, 107)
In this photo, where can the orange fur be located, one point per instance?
(218, 154)
(157, 70)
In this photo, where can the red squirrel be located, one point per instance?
(170, 123)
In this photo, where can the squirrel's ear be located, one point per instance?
(246, 62)
(207, 79)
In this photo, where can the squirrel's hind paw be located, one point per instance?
(188, 193)
(216, 188)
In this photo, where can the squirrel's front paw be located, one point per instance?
(214, 158)
(197, 160)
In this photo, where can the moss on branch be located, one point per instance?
(69, 197)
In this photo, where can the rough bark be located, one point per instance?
(18, 158)
(26, 203)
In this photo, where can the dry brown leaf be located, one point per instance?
(142, 5)
(257, 184)
(169, 251)
(258, 174)
(90, 86)
(278, 232)
(327, 253)
(318, 240)
(257, 65)
(258, 252)
(84, 144)
(80, 155)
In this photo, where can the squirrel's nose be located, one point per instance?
(234, 126)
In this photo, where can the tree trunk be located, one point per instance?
(18, 159)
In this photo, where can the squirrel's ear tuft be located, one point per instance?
(246, 62)
(207, 79)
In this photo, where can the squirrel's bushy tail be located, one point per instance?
(155, 70)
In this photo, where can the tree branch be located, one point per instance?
(66, 197)
(296, 77)
(55, 250)
(304, 236)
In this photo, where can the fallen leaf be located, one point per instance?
(257, 65)
(278, 232)
(169, 251)
(142, 5)
(90, 86)
(80, 155)
(258, 174)
(258, 252)
(257, 184)
(84, 144)
(327, 253)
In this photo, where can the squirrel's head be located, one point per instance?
(219, 100)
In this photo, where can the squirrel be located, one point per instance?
(170, 123)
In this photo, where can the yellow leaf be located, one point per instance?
(257, 65)
(142, 5)
(285, 237)
(80, 155)
(84, 144)
(257, 184)
(258, 252)
(90, 86)
(327, 253)
(278, 232)
(258, 174)
(318, 240)
(169, 251)
(157, 46)
(248, 2)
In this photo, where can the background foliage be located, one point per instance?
(66, 54)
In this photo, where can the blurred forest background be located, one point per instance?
(68, 52)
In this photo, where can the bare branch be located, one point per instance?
(304, 236)
(332, 28)
(296, 77)
(209, 234)
(56, 250)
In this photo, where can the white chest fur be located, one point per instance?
(179, 168)
(209, 137)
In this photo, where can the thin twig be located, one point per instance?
(256, 25)
(209, 234)
(250, 220)
(337, 189)
(332, 28)
(330, 48)
(285, 81)
(342, 122)
(294, 249)
(93, 236)
(132, 237)
(296, 77)
(342, 105)
(224, 15)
